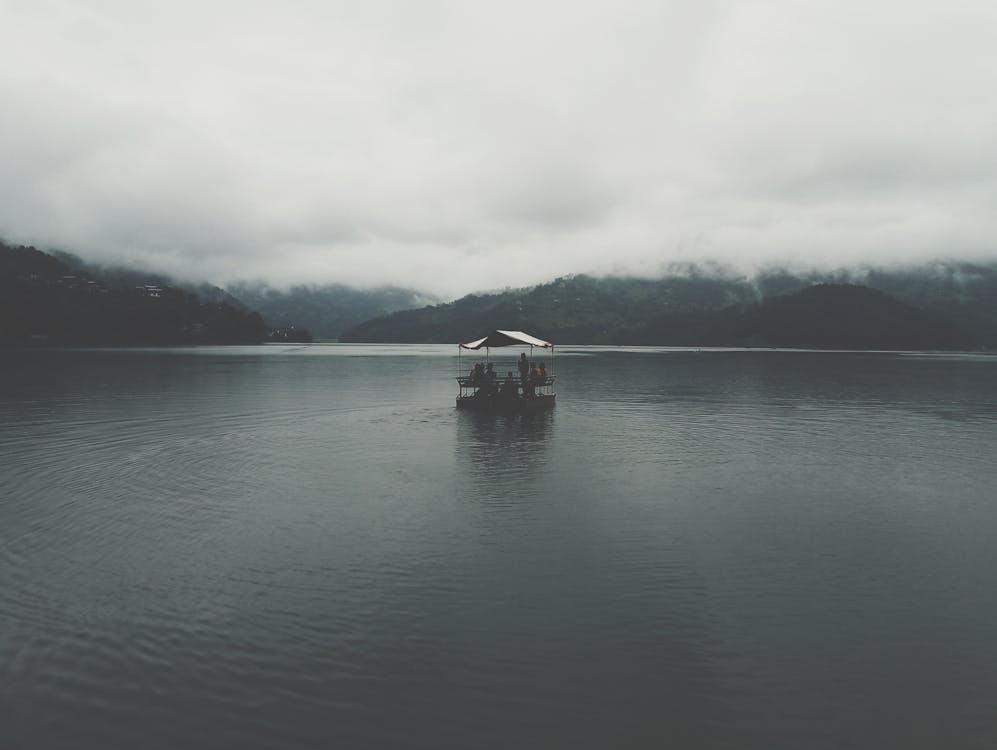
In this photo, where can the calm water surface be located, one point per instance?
(304, 547)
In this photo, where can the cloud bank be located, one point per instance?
(455, 146)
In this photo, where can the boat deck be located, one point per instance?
(488, 395)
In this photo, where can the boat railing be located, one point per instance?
(465, 381)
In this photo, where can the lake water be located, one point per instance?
(308, 547)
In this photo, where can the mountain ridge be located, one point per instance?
(619, 310)
(696, 305)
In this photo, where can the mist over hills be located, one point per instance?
(326, 310)
(128, 278)
(61, 298)
(712, 307)
(45, 300)
(323, 310)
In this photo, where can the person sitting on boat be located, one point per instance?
(477, 374)
(488, 381)
(509, 388)
(543, 374)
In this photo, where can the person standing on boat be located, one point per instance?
(524, 371)
(530, 387)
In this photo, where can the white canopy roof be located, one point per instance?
(507, 338)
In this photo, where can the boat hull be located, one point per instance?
(499, 405)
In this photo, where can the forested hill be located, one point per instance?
(118, 277)
(703, 309)
(825, 316)
(577, 309)
(44, 299)
(60, 299)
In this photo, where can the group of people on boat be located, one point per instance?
(531, 376)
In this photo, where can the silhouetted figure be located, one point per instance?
(489, 380)
(478, 374)
(524, 370)
(509, 387)
(534, 381)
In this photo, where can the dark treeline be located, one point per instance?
(43, 299)
(947, 306)
(578, 309)
(59, 299)
(824, 316)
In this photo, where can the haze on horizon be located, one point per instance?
(458, 146)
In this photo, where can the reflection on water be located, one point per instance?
(502, 449)
(309, 546)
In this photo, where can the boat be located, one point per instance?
(484, 389)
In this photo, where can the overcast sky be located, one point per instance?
(459, 146)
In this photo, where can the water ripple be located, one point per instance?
(301, 548)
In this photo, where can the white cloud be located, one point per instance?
(457, 146)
